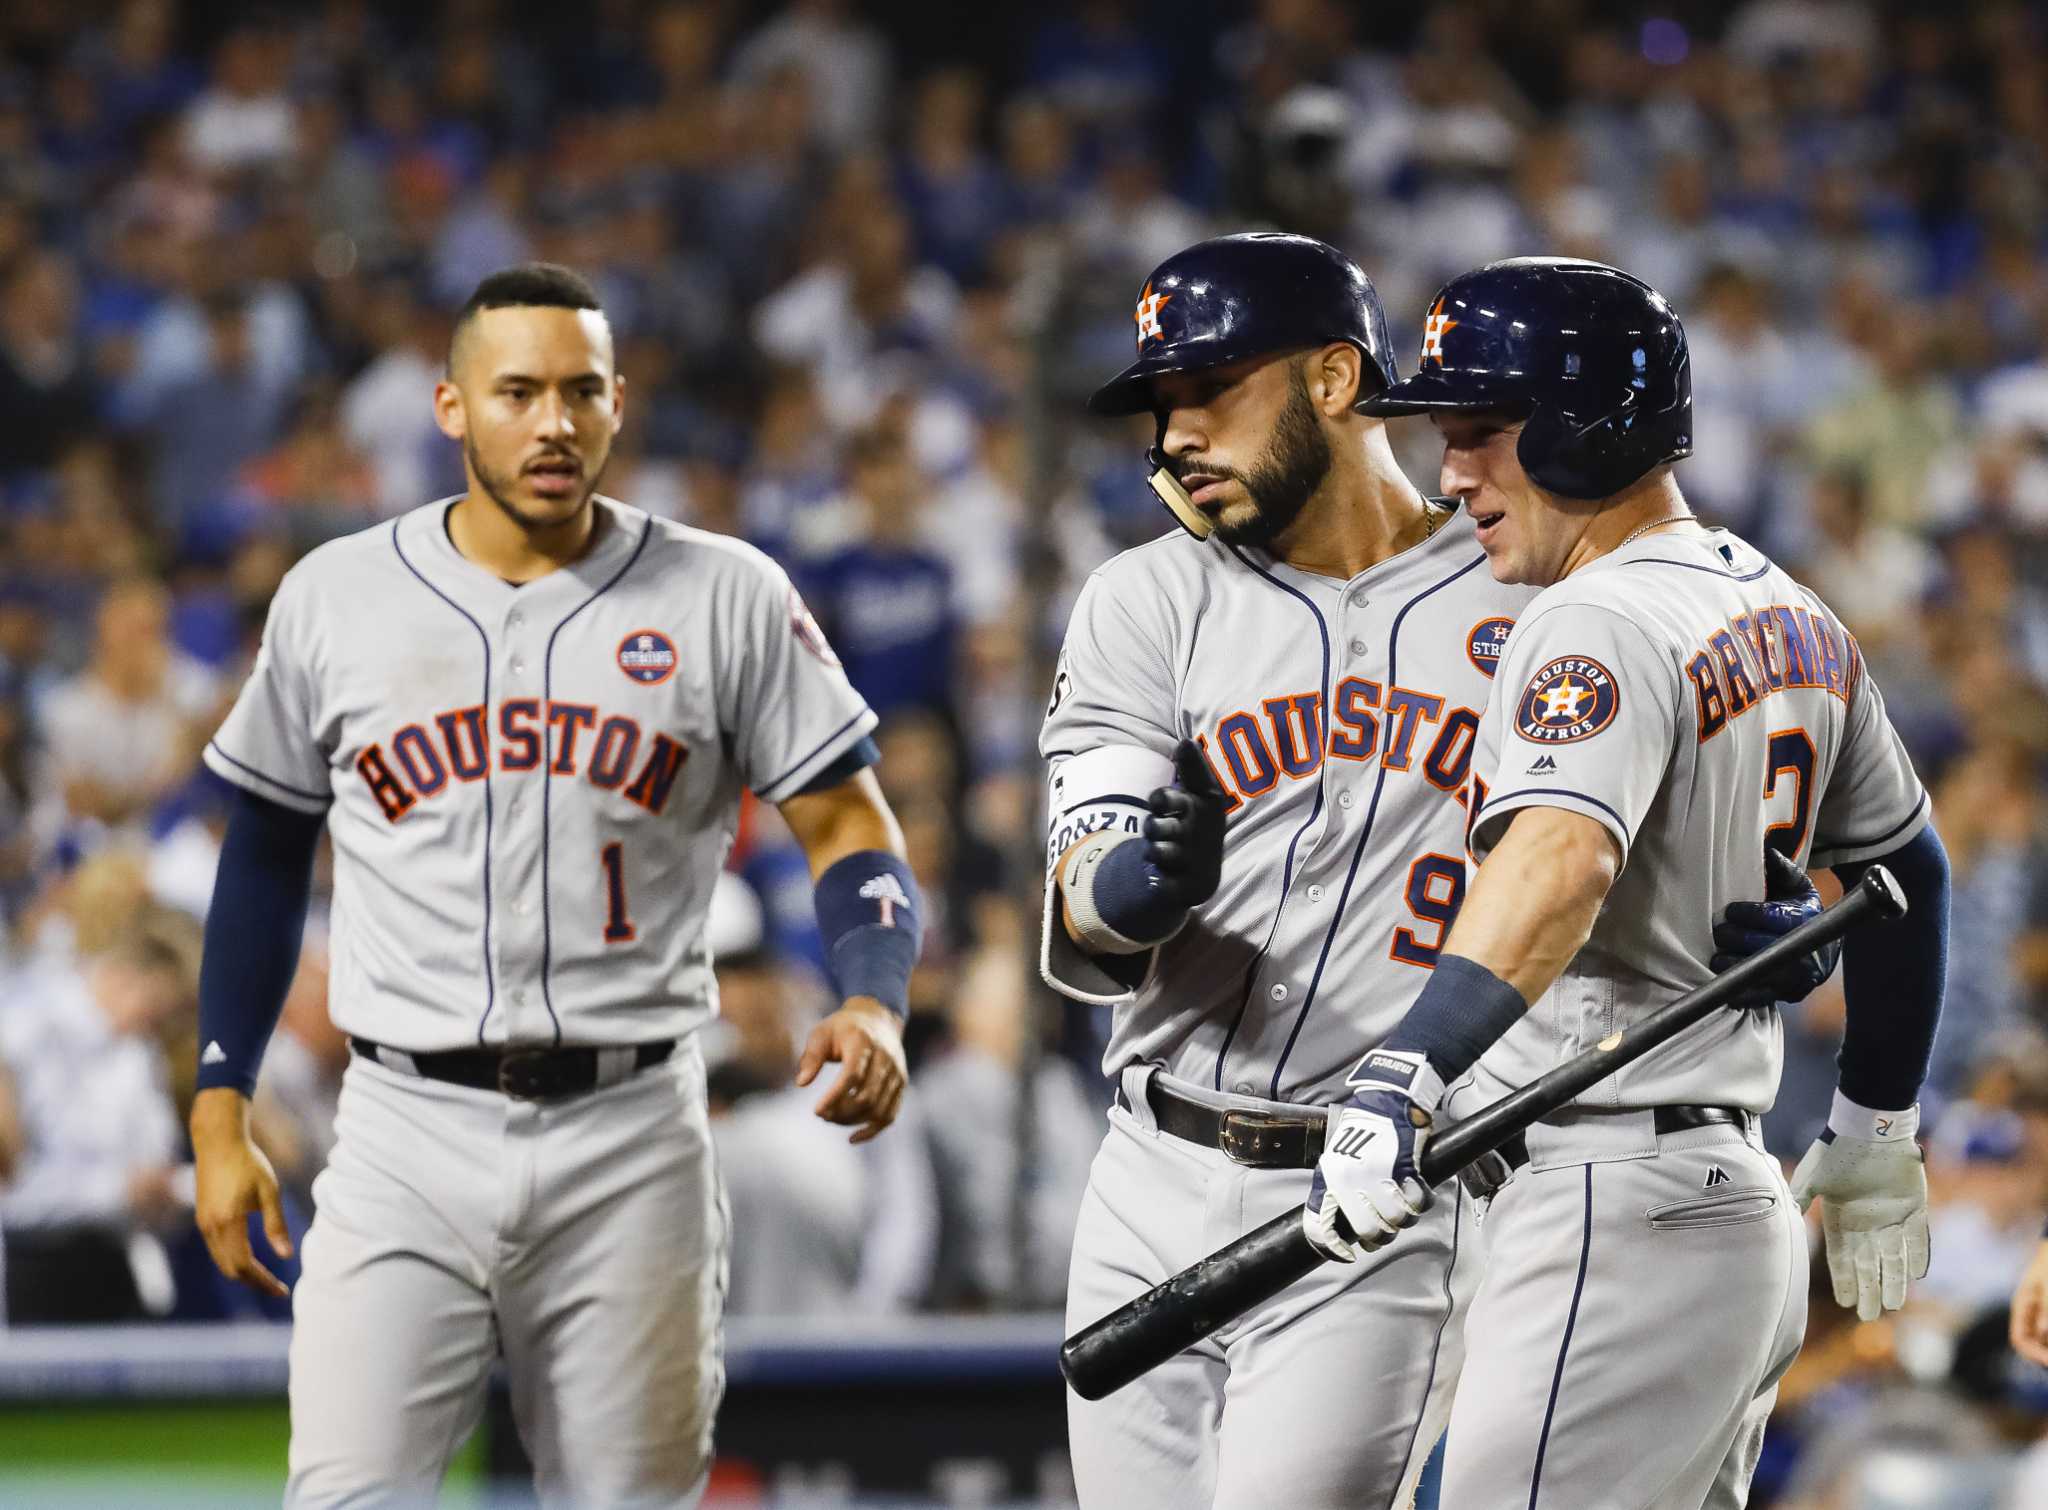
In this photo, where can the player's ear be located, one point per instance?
(449, 413)
(618, 402)
(1334, 375)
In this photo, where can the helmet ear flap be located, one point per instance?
(1593, 459)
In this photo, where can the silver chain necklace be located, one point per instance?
(1653, 524)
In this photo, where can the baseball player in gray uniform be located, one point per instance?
(1297, 680)
(1674, 716)
(525, 718)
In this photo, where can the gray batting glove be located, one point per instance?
(1868, 1173)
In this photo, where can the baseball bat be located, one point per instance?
(1110, 1353)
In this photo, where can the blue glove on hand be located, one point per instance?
(1368, 1184)
(1748, 927)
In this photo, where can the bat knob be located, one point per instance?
(1888, 901)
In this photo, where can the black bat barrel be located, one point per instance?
(1136, 1338)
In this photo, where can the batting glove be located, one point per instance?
(1184, 832)
(1868, 1173)
(1368, 1184)
(1748, 928)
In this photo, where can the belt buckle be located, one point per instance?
(1249, 1138)
(522, 1074)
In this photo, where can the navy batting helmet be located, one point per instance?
(1591, 355)
(1234, 297)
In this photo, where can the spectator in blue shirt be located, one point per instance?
(887, 601)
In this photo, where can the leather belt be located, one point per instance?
(524, 1074)
(1258, 1140)
(1514, 1152)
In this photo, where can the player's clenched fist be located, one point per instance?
(2030, 1310)
(867, 1038)
(1184, 835)
(235, 1180)
(1370, 1173)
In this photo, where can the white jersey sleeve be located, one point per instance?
(273, 742)
(788, 705)
(1584, 718)
(1108, 738)
(1115, 684)
(1874, 801)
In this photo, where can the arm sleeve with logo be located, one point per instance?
(1109, 735)
(273, 742)
(781, 691)
(1584, 714)
(1873, 801)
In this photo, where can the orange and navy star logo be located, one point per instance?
(1573, 697)
(1434, 330)
(1149, 305)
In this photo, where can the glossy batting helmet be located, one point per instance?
(1233, 297)
(1591, 355)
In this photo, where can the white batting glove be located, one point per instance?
(1370, 1169)
(1868, 1173)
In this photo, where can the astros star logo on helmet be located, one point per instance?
(1434, 329)
(1149, 305)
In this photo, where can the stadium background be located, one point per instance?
(863, 260)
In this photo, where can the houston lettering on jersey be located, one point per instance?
(572, 738)
(1252, 749)
(1772, 650)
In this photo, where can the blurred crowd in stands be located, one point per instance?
(862, 261)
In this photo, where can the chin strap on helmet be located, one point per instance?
(1172, 494)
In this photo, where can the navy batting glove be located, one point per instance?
(1184, 834)
(1749, 927)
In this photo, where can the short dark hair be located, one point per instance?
(544, 285)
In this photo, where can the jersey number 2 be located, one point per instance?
(1790, 752)
(1436, 885)
(618, 928)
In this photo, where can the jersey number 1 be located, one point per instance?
(618, 928)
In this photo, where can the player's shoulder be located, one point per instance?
(348, 563)
(1174, 558)
(710, 559)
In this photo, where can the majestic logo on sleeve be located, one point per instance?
(1434, 329)
(807, 632)
(1149, 305)
(1485, 642)
(648, 656)
(1572, 697)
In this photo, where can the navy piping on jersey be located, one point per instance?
(1106, 797)
(1364, 838)
(1559, 791)
(1314, 812)
(547, 687)
(1436, 1347)
(1563, 1348)
(1834, 848)
(816, 750)
(490, 974)
(1712, 571)
(323, 798)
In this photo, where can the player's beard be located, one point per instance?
(1287, 476)
(499, 489)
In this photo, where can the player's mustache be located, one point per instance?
(547, 456)
(1183, 470)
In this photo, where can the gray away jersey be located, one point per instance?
(1340, 718)
(531, 790)
(1696, 702)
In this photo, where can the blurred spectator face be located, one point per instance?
(1037, 145)
(533, 398)
(917, 759)
(138, 990)
(1246, 442)
(42, 301)
(1840, 506)
(885, 479)
(130, 650)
